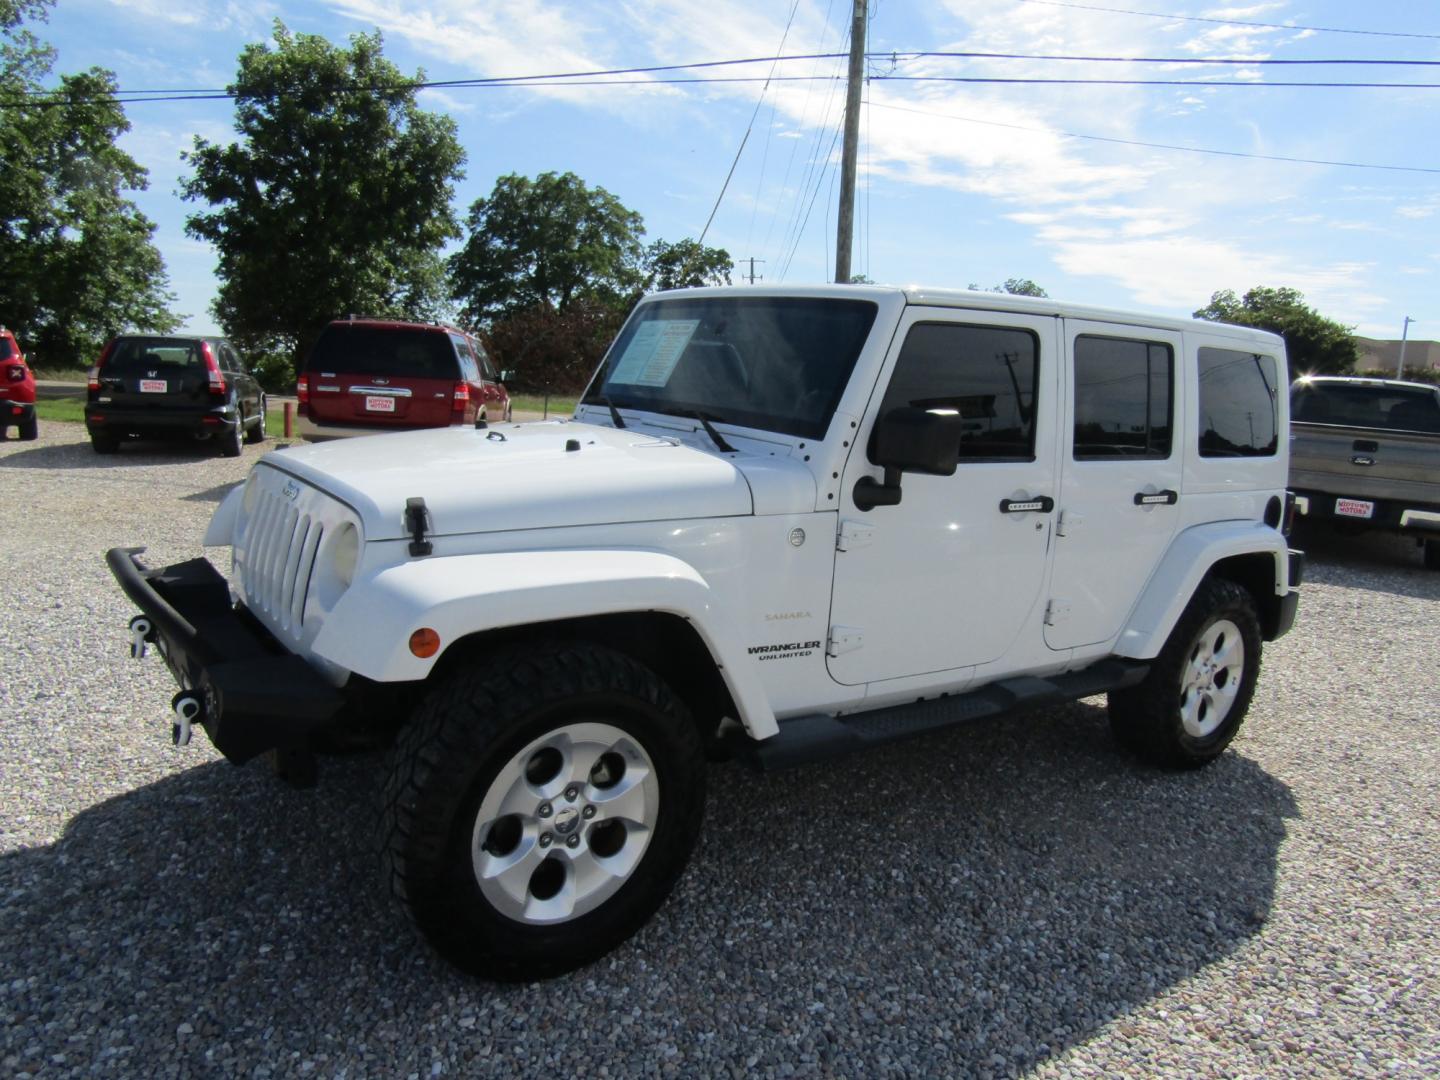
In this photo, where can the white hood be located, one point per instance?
(522, 476)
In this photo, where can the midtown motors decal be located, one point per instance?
(785, 652)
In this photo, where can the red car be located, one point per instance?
(365, 376)
(17, 389)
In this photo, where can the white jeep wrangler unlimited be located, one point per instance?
(791, 522)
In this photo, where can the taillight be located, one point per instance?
(302, 390)
(94, 381)
(17, 373)
(461, 397)
(217, 380)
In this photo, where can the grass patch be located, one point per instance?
(559, 406)
(72, 411)
(78, 374)
(68, 410)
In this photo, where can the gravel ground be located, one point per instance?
(1016, 898)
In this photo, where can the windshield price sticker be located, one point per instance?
(653, 352)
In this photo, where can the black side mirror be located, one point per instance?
(908, 439)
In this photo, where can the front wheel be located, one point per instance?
(1195, 697)
(540, 809)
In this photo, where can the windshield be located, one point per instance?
(765, 362)
(1396, 408)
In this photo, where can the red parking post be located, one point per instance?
(289, 419)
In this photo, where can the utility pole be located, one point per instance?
(1404, 333)
(751, 277)
(845, 228)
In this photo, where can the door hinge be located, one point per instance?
(1056, 612)
(1069, 522)
(854, 534)
(844, 639)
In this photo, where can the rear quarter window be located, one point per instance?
(7, 350)
(1239, 404)
(383, 350)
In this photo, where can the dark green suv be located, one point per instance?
(147, 386)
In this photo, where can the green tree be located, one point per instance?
(686, 264)
(335, 199)
(79, 262)
(548, 242)
(1313, 343)
(1015, 287)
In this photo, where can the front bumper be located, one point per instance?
(256, 696)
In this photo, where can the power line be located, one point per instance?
(1147, 82)
(1154, 145)
(749, 127)
(613, 76)
(1229, 22)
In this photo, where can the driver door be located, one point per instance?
(950, 577)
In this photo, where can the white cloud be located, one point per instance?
(209, 15)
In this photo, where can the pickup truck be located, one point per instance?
(1365, 455)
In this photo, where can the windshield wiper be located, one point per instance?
(614, 412)
(715, 436)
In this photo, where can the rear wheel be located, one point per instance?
(256, 434)
(1432, 553)
(232, 438)
(1195, 697)
(104, 444)
(28, 429)
(540, 809)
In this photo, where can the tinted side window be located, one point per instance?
(986, 373)
(1238, 416)
(468, 369)
(1123, 398)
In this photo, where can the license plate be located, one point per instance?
(154, 386)
(379, 404)
(1355, 508)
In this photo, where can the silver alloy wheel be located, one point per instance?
(1211, 678)
(565, 823)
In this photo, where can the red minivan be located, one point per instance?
(365, 376)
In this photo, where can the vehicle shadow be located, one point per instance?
(1028, 879)
(133, 453)
(1374, 561)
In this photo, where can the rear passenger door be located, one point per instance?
(1120, 476)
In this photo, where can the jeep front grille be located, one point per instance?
(280, 546)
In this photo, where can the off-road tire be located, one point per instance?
(232, 439)
(28, 430)
(1146, 719)
(256, 433)
(104, 444)
(465, 733)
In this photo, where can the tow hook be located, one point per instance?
(141, 633)
(189, 710)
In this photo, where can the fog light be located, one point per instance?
(424, 643)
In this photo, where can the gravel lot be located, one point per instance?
(1015, 898)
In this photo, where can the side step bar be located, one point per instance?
(805, 739)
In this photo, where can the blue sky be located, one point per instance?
(958, 182)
